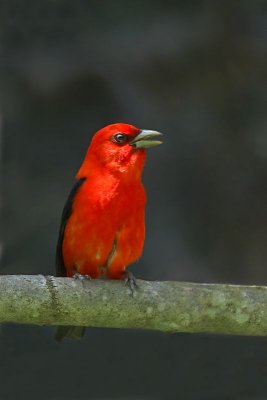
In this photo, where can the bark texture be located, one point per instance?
(162, 306)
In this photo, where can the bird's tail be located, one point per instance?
(69, 332)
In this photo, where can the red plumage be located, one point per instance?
(103, 222)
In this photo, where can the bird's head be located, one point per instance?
(120, 148)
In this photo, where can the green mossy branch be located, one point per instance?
(162, 306)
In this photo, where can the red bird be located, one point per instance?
(103, 222)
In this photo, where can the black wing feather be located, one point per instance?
(60, 267)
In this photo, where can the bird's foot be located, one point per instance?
(130, 281)
(81, 277)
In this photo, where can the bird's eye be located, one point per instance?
(120, 138)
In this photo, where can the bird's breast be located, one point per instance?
(106, 230)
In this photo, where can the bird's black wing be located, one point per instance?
(60, 267)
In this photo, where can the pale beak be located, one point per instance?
(145, 140)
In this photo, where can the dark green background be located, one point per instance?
(194, 70)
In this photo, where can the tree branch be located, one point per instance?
(162, 306)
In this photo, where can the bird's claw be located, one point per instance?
(81, 277)
(130, 281)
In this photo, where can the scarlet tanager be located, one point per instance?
(103, 222)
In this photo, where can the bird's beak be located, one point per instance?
(145, 140)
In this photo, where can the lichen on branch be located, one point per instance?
(162, 306)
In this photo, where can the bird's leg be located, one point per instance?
(130, 281)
